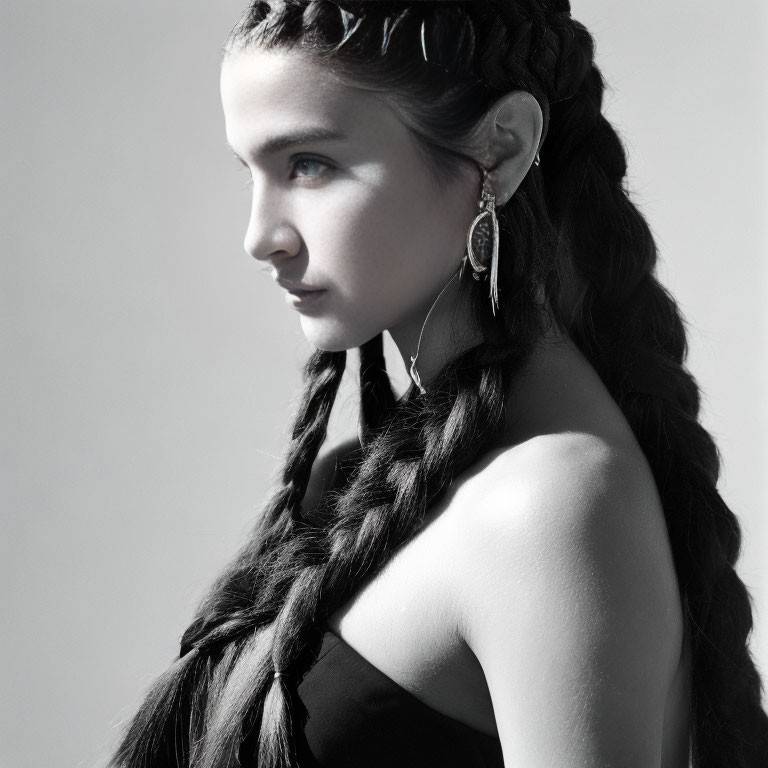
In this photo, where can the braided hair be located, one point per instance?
(569, 234)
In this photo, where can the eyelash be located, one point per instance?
(295, 161)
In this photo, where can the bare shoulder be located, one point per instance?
(566, 591)
(561, 487)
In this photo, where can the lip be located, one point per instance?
(294, 287)
(300, 298)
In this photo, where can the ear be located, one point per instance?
(511, 132)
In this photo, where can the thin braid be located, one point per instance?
(229, 605)
(202, 672)
(323, 375)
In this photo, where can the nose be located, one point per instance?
(270, 236)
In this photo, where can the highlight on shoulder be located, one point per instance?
(565, 589)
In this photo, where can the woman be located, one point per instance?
(524, 561)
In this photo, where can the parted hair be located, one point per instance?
(571, 241)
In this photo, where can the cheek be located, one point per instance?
(367, 292)
(385, 253)
(390, 266)
(399, 243)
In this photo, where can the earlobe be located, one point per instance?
(514, 128)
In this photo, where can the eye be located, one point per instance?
(307, 167)
(304, 167)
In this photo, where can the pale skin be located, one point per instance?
(540, 602)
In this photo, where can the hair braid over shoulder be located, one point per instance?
(405, 469)
(571, 234)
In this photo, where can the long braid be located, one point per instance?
(337, 546)
(234, 595)
(168, 712)
(405, 470)
(630, 329)
(229, 603)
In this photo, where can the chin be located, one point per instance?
(334, 336)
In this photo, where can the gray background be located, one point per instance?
(148, 369)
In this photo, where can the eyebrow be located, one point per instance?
(305, 136)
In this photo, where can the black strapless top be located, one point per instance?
(357, 717)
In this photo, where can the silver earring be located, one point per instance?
(413, 372)
(487, 217)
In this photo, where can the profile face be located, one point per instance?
(343, 202)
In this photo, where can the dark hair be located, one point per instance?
(571, 234)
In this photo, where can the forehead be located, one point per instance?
(266, 91)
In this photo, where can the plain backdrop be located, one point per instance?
(149, 370)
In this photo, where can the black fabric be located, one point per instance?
(356, 716)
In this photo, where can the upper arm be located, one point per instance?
(569, 602)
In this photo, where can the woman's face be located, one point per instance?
(343, 202)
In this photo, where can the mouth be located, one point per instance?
(303, 298)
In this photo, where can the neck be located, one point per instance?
(449, 330)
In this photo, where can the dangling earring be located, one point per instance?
(413, 372)
(487, 207)
(487, 217)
